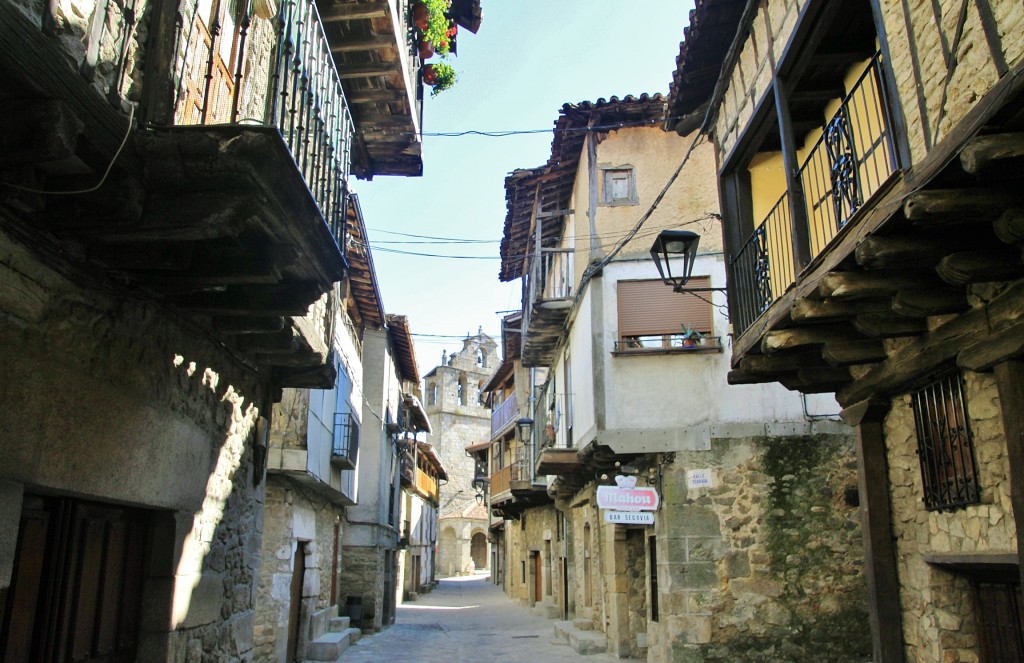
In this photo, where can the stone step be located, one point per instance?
(588, 642)
(338, 624)
(354, 634)
(583, 624)
(328, 647)
(562, 629)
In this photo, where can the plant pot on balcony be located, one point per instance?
(440, 76)
(426, 49)
(420, 15)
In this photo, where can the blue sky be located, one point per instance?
(529, 58)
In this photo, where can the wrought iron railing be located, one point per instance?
(504, 415)
(763, 267)
(552, 419)
(662, 342)
(346, 438)
(851, 160)
(240, 64)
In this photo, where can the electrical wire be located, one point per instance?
(524, 132)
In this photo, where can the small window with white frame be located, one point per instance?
(618, 185)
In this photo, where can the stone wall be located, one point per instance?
(116, 399)
(538, 527)
(363, 576)
(938, 608)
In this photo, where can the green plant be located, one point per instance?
(438, 30)
(440, 76)
(690, 334)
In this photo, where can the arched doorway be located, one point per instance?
(478, 550)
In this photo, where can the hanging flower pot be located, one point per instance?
(439, 76)
(429, 75)
(420, 15)
(426, 49)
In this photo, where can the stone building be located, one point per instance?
(685, 519)
(452, 401)
(166, 254)
(869, 159)
(422, 474)
(391, 415)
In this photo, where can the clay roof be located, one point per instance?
(401, 339)
(706, 41)
(553, 181)
(477, 446)
(362, 277)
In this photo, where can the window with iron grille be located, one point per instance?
(944, 445)
(346, 436)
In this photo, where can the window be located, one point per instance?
(651, 315)
(944, 445)
(462, 389)
(652, 547)
(432, 394)
(618, 186)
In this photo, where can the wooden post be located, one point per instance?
(1010, 383)
(876, 525)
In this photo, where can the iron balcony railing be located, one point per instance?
(504, 415)
(345, 448)
(553, 422)
(851, 160)
(241, 64)
(549, 276)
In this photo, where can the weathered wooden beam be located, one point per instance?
(367, 43)
(145, 255)
(881, 252)
(788, 339)
(352, 11)
(375, 95)
(865, 285)
(923, 303)
(37, 131)
(1009, 226)
(819, 310)
(998, 347)
(742, 377)
(796, 383)
(987, 150)
(780, 362)
(850, 353)
(958, 205)
(250, 300)
(1010, 384)
(889, 326)
(880, 567)
(271, 343)
(979, 266)
(346, 72)
(248, 325)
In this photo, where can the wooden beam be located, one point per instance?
(923, 303)
(1009, 226)
(880, 569)
(980, 266)
(271, 343)
(145, 255)
(352, 11)
(865, 285)
(346, 72)
(780, 362)
(291, 299)
(248, 325)
(1010, 384)
(788, 339)
(368, 43)
(818, 310)
(958, 205)
(850, 353)
(984, 151)
(375, 95)
(742, 377)
(889, 326)
(883, 252)
(1004, 345)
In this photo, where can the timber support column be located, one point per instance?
(1010, 383)
(876, 527)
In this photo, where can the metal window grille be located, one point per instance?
(944, 445)
(346, 436)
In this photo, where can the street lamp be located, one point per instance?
(524, 428)
(677, 244)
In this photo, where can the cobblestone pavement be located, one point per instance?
(466, 619)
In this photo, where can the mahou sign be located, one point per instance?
(627, 499)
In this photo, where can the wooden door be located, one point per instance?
(77, 584)
(295, 602)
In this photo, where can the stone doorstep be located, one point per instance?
(582, 642)
(330, 645)
(338, 624)
(583, 624)
(547, 610)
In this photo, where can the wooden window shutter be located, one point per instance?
(651, 308)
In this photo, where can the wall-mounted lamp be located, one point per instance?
(524, 429)
(677, 244)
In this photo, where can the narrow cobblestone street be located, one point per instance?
(466, 619)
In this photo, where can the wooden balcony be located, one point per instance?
(228, 206)
(426, 486)
(549, 297)
(513, 491)
(504, 416)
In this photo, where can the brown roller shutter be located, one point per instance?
(651, 308)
